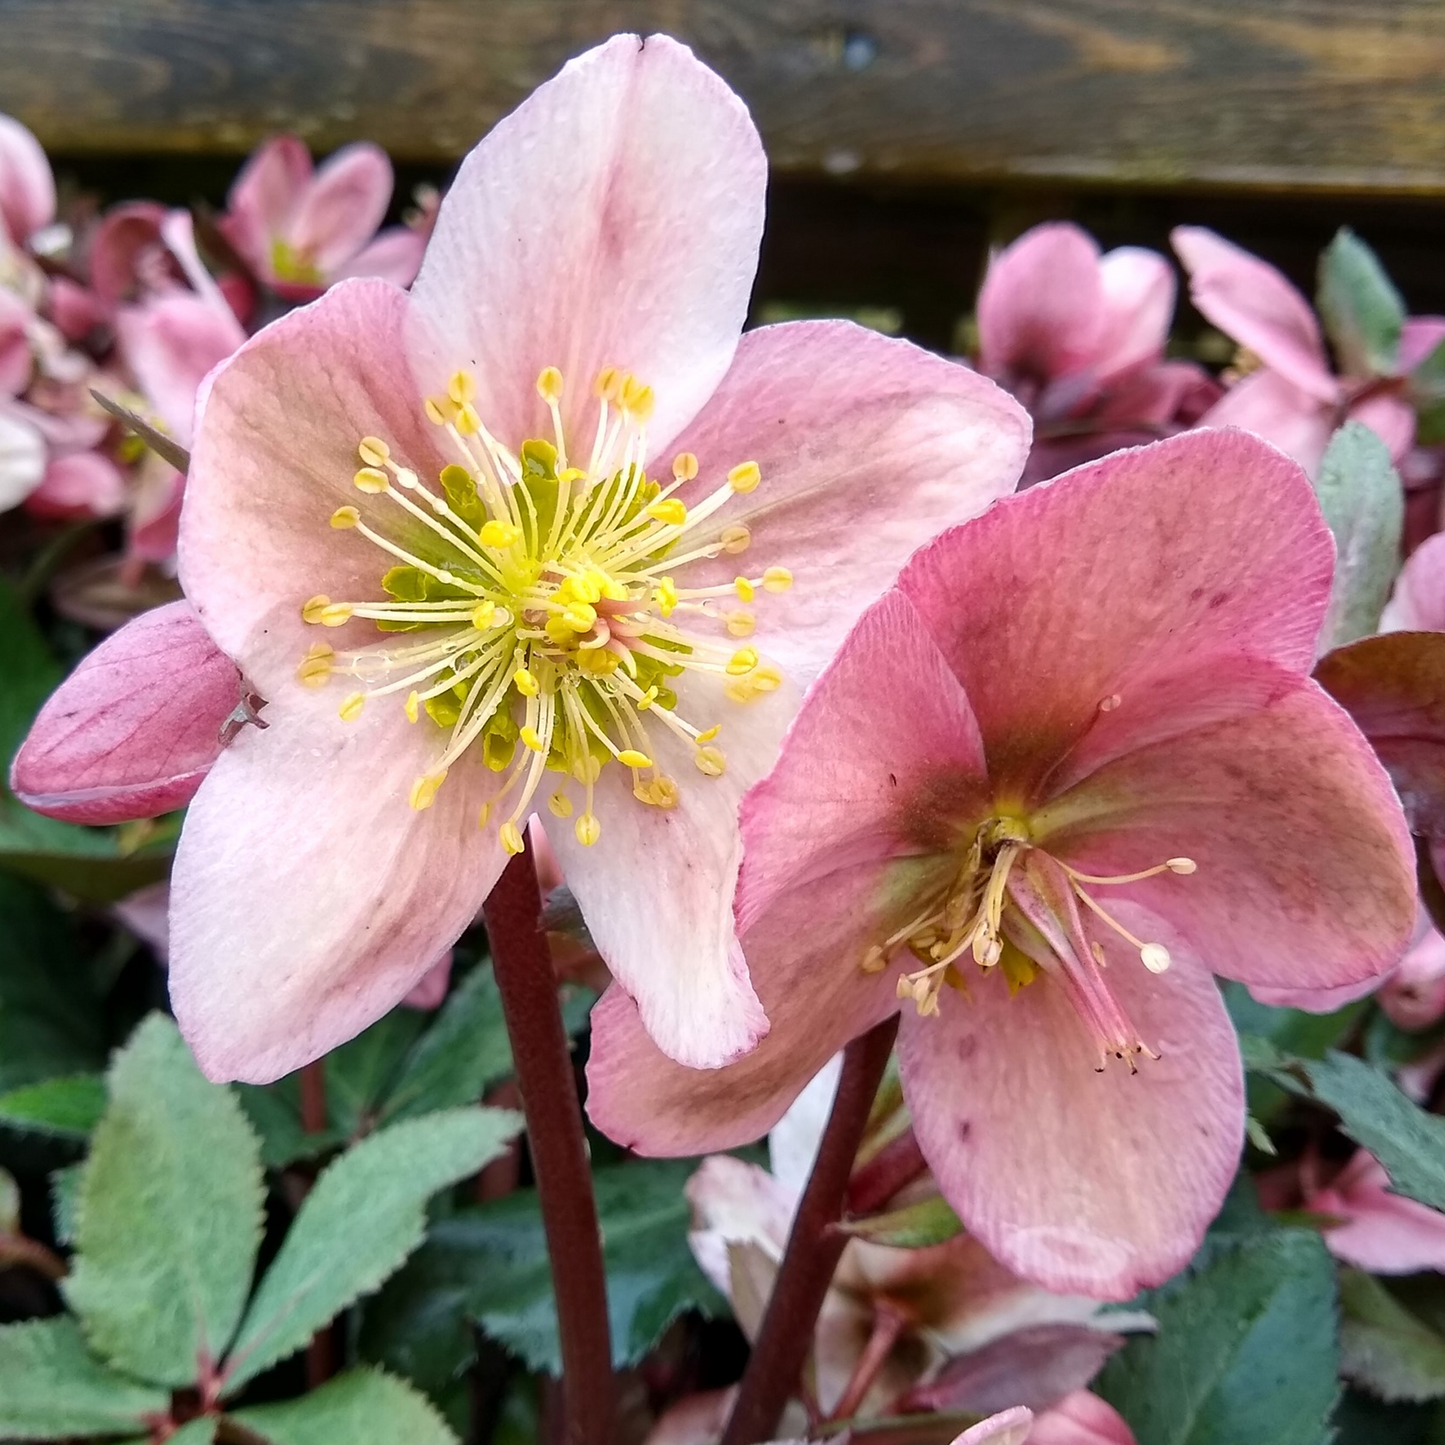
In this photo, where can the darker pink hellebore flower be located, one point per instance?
(1079, 338)
(27, 187)
(302, 228)
(1072, 764)
(469, 464)
(1294, 399)
(1378, 1230)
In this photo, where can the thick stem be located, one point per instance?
(523, 969)
(892, 1168)
(887, 1326)
(814, 1248)
(19, 1249)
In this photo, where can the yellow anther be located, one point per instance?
(580, 617)
(439, 410)
(710, 734)
(739, 689)
(462, 388)
(315, 667)
(351, 706)
(1156, 957)
(710, 761)
(413, 706)
(586, 588)
(766, 678)
(526, 682)
(1181, 865)
(875, 960)
(532, 739)
(586, 768)
(587, 829)
(511, 836)
(424, 790)
(663, 793)
(646, 700)
(549, 384)
(739, 624)
(744, 477)
(735, 538)
(669, 511)
(636, 397)
(608, 383)
(631, 758)
(598, 662)
(742, 662)
(745, 589)
(322, 611)
(374, 452)
(371, 480)
(483, 615)
(777, 579)
(560, 805)
(468, 423)
(665, 595)
(684, 467)
(344, 517)
(499, 534)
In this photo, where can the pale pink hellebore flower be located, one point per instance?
(1294, 399)
(946, 1308)
(1418, 601)
(477, 445)
(1081, 1419)
(302, 228)
(1079, 338)
(1072, 764)
(1379, 1231)
(1010, 1427)
(27, 187)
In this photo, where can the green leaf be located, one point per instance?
(1361, 308)
(1245, 1351)
(169, 1214)
(1383, 1347)
(464, 1050)
(9, 1203)
(51, 1386)
(915, 1226)
(1364, 504)
(489, 1264)
(362, 1405)
(1394, 689)
(50, 1020)
(196, 1432)
(64, 1201)
(1427, 395)
(67, 1108)
(365, 1215)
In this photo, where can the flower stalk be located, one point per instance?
(523, 968)
(814, 1247)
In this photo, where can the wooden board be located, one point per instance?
(1301, 94)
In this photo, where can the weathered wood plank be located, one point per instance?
(1304, 94)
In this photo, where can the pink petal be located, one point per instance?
(1041, 310)
(133, 730)
(83, 484)
(1255, 305)
(1383, 1232)
(1138, 307)
(736, 1203)
(695, 1419)
(74, 309)
(127, 255)
(1419, 336)
(361, 892)
(1048, 606)
(1317, 1000)
(395, 256)
(1080, 1180)
(27, 188)
(1305, 866)
(16, 356)
(1418, 603)
(431, 992)
(1391, 418)
(274, 455)
(146, 912)
(1269, 405)
(594, 228)
(857, 436)
(342, 207)
(265, 197)
(1009, 1428)
(1413, 997)
(1081, 1419)
(22, 460)
(171, 343)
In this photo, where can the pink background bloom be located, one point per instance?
(1378, 1230)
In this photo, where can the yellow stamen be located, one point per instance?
(371, 480)
(549, 384)
(744, 477)
(587, 829)
(345, 517)
(351, 706)
(424, 790)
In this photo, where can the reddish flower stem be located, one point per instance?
(814, 1248)
(897, 1164)
(20, 1249)
(523, 968)
(887, 1326)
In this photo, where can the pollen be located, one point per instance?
(535, 605)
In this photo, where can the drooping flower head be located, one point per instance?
(1070, 766)
(542, 534)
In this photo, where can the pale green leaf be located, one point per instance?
(364, 1216)
(1384, 1347)
(1364, 504)
(52, 1386)
(1361, 308)
(358, 1407)
(915, 1226)
(169, 1214)
(65, 1108)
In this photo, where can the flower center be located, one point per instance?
(292, 263)
(1013, 906)
(542, 599)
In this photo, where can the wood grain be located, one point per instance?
(1322, 95)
